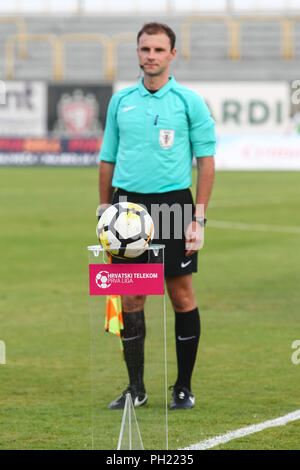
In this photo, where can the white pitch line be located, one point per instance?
(245, 202)
(229, 436)
(253, 227)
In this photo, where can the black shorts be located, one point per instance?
(171, 213)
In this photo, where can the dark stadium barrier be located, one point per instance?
(49, 151)
(77, 110)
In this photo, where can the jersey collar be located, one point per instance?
(160, 93)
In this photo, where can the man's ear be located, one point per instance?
(173, 53)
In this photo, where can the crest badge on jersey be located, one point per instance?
(166, 138)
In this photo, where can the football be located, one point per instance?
(125, 230)
(102, 279)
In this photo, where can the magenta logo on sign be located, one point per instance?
(129, 279)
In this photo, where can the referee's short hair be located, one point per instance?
(156, 28)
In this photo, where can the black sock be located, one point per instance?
(133, 338)
(187, 331)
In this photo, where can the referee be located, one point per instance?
(152, 131)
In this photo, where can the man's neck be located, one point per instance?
(155, 83)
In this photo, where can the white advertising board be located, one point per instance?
(270, 152)
(23, 109)
(247, 107)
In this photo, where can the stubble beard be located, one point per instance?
(155, 73)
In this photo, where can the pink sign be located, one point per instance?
(126, 279)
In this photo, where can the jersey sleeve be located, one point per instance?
(110, 143)
(202, 129)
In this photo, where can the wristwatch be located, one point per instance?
(201, 220)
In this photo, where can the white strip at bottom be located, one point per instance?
(229, 436)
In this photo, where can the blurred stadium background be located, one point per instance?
(60, 62)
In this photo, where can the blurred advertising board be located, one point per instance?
(270, 152)
(77, 110)
(49, 151)
(247, 107)
(23, 109)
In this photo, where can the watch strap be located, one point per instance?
(201, 220)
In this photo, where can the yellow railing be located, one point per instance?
(286, 31)
(21, 32)
(58, 50)
(291, 31)
(110, 44)
(234, 25)
(89, 38)
(51, 39)
(232, 28)
(116, 40)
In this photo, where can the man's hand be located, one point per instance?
(100, 209)
(194, 238)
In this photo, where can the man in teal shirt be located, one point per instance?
(153, 130)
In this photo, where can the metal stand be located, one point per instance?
(130, 436)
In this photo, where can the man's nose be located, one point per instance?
(151, 54)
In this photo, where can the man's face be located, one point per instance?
(154, 53)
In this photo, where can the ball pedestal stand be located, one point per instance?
(144, 427)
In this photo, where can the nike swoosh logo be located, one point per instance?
(185, 338)
(138, 402)
(184, 265)
(131, 338)
(128, 109)
(192, 399)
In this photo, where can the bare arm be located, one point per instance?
(206, 173)
(106, 171)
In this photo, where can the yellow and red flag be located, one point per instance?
(113, 316)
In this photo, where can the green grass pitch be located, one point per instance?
(249, 300)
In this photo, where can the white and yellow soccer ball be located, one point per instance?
(125, 230)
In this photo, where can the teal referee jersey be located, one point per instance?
(152, 138)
